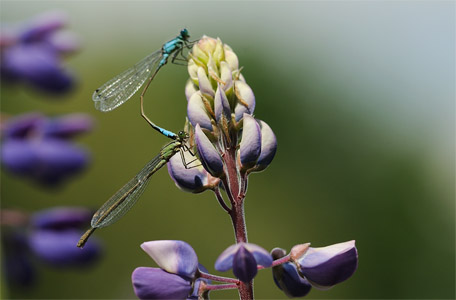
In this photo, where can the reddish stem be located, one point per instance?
(234, 187)
(217, 278)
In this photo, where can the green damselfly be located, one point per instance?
(119, 89)
(122, 201)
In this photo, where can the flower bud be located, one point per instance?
(226, 75)
(250, 146)
(175, 257)
(243, 258)
(209, 156)
(246, 102)
(268, 147)
(194, 179)
(190, 89)
(327, 266)
(197, 113)
(221, 105)
(204, 83)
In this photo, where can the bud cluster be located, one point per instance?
(229, 141)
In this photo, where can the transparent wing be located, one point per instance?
(122, 201)
(119, 89)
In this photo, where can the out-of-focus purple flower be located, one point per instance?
(177, 274)
(59, 218)
(34, 53)
(49, 236)
(57, 247)
(286, 277)
(327, 266)
(39, 147)
(17, 264)
(243, 258)
(56, 231)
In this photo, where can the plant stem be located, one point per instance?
(217, 278)
(236, 195)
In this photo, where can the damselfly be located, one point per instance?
(122, 201)
(118, 90)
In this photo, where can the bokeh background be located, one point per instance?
(360, 96)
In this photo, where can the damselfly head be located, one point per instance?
(184, 34)
(182, 135)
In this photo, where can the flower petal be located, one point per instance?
(204, 83)
(225, 260)
(176, 257)
(327, 266)
(247, 96)
(221, 105)
(250, 147)
(68, 126)
(58, 247)
(22, 125)
(154, 283)
(262, 256)
(209, 157)
(286, 277)
(61, 218)
(193, 179)
(268, 146)
(197, 113)
(244, 264)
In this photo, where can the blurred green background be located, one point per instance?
(359, 94)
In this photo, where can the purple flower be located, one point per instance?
(33, 54)
(250, 147)
(209, 156)
(195, 179)
(55, 233)
(176, 257)
(50, 237)
(39, 148)
(243, 258)
(327, 266)
(155, 283)
(174, 279)
(286, 277)
(268, 147)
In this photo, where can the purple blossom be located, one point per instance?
(155, 283)
(327, 266)
(176, 257)
(174, 279)
(243, 258)
(209, 156)
(250, 147)
(39, 148)
(286, 277)
(34, 53)
(195, 179)
(321, 268)
(49, 236)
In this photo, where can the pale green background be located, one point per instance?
(359, 94)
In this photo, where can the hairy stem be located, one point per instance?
(236, 196)
(217, 278)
